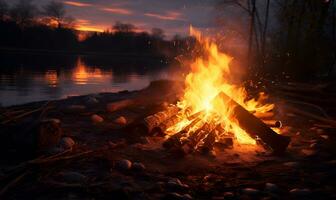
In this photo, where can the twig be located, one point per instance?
(13, 182)
(26, 113)
(313, 116)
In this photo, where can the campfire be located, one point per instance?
(212, 111)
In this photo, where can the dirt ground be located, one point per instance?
(107, 161)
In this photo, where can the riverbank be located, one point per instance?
(97, 156)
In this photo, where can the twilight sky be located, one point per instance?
(173, 16)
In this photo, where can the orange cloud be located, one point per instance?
(78, 4)
(85, 25)
(174, 16)
(120, 11)
(89, 28)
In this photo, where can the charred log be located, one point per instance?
(255, 127)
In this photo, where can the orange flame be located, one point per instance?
(209, 75)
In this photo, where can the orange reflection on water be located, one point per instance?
(83, 75)
(51, 78)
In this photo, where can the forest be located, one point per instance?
(282, 37)
(25, 26)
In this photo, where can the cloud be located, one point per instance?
(120, 11)
(174, 16)
(86, 25)
(78, 4)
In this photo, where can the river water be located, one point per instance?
(28, 78)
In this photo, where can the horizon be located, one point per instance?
(173, 17)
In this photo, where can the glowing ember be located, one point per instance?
(210, 75)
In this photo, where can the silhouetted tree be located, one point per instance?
(123, 27)
(3, 9)
(55, 13)
(23, 12)
(158, 33)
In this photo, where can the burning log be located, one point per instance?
(148, 125)
(255, 127)
(266, 115)
(209, 141)
(160, 130)
(175, 140)
(273, 123)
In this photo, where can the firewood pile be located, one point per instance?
(203, 137)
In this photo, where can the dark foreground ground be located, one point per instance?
(106, 161)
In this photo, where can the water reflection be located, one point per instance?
(29, 80)
(51, 78)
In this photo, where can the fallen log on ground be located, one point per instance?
(255, 127)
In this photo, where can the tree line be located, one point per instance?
(292, 36)
(25, 26)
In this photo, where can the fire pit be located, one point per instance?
(214, 112)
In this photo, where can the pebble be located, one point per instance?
(175, 184)
(319, 131)
(96, 119)
(90, 100)
(73, 177)
(123, 165)
(271, 187)
(308, 152)
(300, 192)
(228, 195)
(291, 164)
(137, 166)
(187, 197)
(120, 121)
(250, 191)
(67, 143)
(324, 136)
(314, 145)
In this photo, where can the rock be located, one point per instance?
(228, 195)
(175, 184)
(250, 191)
(308, 152)
(90, 100)
(324, 137)
(49, 133)
(96, 119)
(120, 121)
(300, 192)
(187, 197)
(67, 143)
(73, 177)
(291, 164)
(137, 166)
(315, 145)
(123, 165)
(319, 131)
(31, 137)
(271, 187)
